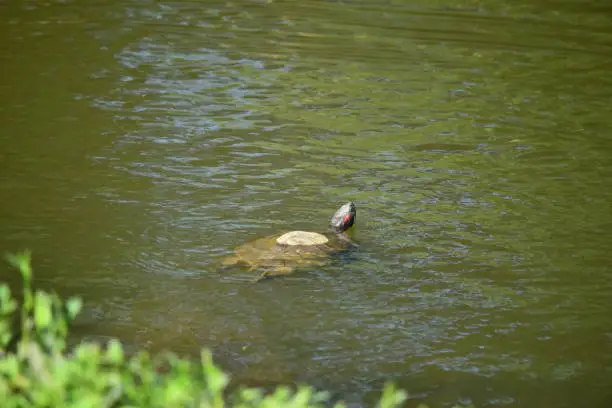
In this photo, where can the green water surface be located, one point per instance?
(142, 141)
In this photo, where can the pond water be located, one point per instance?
(143, 141)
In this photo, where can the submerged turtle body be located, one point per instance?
(271, 258)
(283, 254)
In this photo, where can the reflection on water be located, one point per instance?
(146, 141)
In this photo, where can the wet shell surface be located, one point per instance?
(302, 238)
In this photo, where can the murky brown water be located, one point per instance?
(143, 141)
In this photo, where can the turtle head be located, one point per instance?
(344, 218)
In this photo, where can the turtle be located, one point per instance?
(282, 254)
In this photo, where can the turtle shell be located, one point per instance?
(283, 254)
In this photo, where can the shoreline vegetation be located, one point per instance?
(37, 369)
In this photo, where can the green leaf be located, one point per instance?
(391, 397)
(7, 303)
(251, 395)
(114, 352)
(216, 379)
(42, 310)
(9, 365)
(22, 261)
(73, 307)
